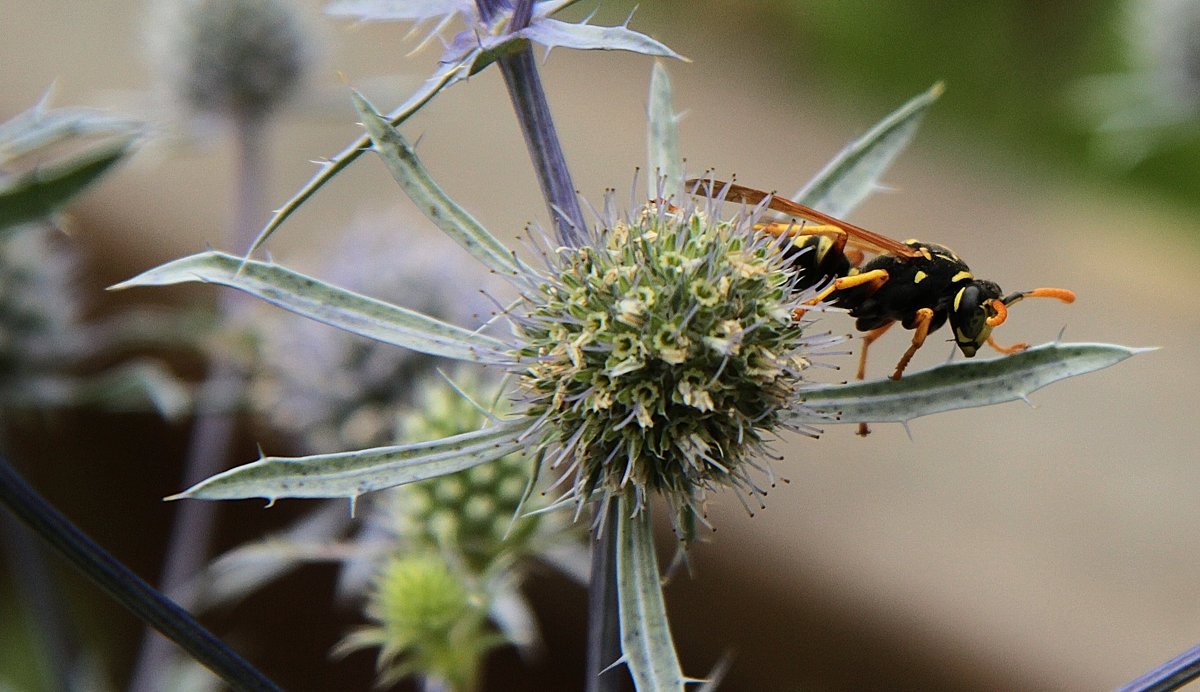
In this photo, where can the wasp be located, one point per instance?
(920, 285)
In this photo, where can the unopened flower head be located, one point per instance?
(427, 621)
(662, 357)
(234, 58)
(478, 515)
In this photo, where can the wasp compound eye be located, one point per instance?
(972, 315)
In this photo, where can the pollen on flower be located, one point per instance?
(683, 356)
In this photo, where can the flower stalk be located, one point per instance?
(240, 61)
(533, 113)
(124, 586)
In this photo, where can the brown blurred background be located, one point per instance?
(1002, 548)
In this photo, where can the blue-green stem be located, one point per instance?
(604, 626)
(533, 111)
(215, 424)
(123, 585)
(1171, 675)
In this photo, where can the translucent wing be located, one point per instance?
(861, 237)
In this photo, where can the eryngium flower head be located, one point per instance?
(480, 515)
(234, 58)
(662, 356)
(427, 621)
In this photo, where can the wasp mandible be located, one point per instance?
(920, 285)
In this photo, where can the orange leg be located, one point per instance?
(793, 229)
(920, 331)
(1007, 350)
(875, 277)
(867, 340)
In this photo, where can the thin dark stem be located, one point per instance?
(214, 428)
(604, 627)
(522, 13)
(1171, 675)
(533, 113)
(193, 527)
(529, 99)
(123, 585)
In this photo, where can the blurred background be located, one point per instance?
(1014, 547)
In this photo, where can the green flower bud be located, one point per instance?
(427, 622)
(460, 513)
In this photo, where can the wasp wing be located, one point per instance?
(868, 240)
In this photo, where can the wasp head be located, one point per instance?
(977, 308)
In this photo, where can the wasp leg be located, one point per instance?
(920, 331)
(1007, 350)
(867, 340)
(875, 277)
(792, 229)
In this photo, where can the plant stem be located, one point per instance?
(604, 627)
(1171, 675)
(215, 425)
(525, 89)
(533, 113)
(126, 587)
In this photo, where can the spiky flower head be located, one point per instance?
(233, 58)
(662, 356)
(428, 621)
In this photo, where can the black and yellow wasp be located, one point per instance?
(920, 285)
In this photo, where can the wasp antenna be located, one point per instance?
(1063, 294)
(1058, 339)
(907, 431)
(1001, 308)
